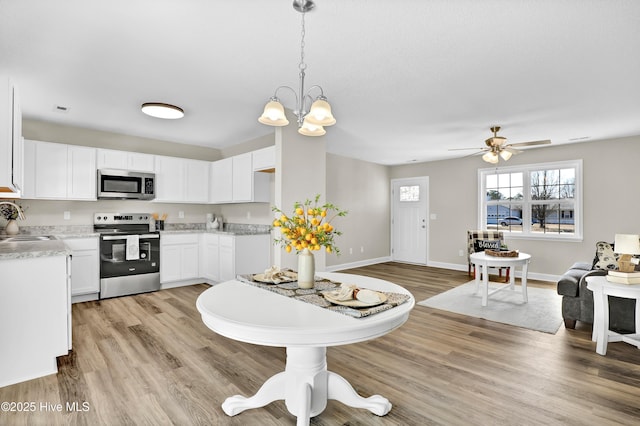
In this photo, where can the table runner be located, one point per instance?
(314, 296)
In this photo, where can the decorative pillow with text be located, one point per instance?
(482, 245)
(605, 257)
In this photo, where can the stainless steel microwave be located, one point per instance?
(125, 184)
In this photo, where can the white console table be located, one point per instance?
(602, 289)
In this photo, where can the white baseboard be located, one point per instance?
(358, 264)
(174, 284)
(84, 297)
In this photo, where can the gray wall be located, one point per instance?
(362, 189)
(610, 172)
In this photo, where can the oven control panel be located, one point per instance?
(121, 218)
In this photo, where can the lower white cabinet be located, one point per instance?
(211, 256)
(85, 268)
(243, 254)
(179, 257)
(35, 320)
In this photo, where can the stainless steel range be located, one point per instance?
(129, 254)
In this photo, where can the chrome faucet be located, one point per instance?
(20, 212)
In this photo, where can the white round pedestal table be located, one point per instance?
(250, 314)
(484, 261)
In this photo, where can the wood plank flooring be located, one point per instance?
(149, 360)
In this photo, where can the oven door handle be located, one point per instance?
(123, 237)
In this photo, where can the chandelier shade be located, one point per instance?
(273, 114)
(311, 115)
(320, 113)
(309, 129)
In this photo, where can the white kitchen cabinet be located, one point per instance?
(85, 268)
(11, 142)
(182, 180)
(227, 258)
(81, 173)
(179, 257)
(242, 177)
(35, 322)
(264, 159)
(59, 171)
(125, 160)
(233, 180)
(197, 181)
(220, 190)
(243, 254)
(220, 256)
(210, 257)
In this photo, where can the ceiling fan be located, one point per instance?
(498, 147)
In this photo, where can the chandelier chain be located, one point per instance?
(302, 65)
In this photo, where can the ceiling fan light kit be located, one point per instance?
(310, 121)
(497, 147)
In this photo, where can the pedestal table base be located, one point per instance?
(305, 386)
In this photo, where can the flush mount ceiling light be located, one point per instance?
(311, 121)
(161, 110)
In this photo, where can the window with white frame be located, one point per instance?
(535, 200)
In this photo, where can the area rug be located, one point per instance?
(542, 313)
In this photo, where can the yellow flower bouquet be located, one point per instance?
(308, 227)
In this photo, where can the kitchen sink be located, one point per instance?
(25, 238)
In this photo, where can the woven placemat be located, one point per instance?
(315, 297)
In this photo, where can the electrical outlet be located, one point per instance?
(460, 253)
(248, 215)
(350, 250)
(180, 215)
(361, 249)
(67, 215)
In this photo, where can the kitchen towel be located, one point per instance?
(133, 247)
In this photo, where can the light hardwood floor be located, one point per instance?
(149, 359)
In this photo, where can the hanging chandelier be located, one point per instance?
(311, 121)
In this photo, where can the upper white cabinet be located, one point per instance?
(264, 159)
(233, 180)
(220, 190)
(125, 160)
(242, 178)
(58, 171)
(181, 180)
(11, 150)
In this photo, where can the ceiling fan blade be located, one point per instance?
(511, 149)
(531, 143)
(464, 149)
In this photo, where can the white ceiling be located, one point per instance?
(407, 80)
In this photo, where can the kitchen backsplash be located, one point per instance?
(80, 213)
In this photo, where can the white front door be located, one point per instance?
(409, 224)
